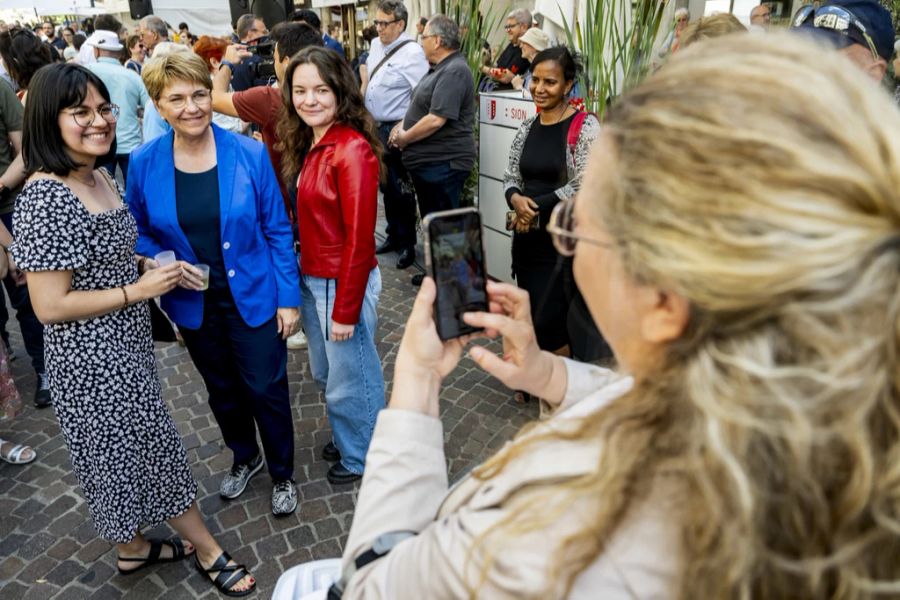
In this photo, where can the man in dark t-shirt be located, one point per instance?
(436, 135)
(510, 62)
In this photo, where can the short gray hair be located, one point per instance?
(396, 9)
(522, 16)
(445, 28)
(156, 25)
(244, 25)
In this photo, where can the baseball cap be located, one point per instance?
(535, 38)
(105, 40)
(871, 19)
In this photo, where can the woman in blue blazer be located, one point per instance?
(211, 197)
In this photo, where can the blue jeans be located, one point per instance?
(349, 372)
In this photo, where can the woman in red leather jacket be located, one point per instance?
(330, 144)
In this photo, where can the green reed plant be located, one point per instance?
(475, 28)
(616, 42)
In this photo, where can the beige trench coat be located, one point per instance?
(405, 488)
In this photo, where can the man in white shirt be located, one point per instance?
(395, 65)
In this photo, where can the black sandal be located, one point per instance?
(228, 577)
(153, 557)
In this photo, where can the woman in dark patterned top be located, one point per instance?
(546, 161)
(75, 241)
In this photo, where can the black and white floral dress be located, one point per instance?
(125, 449)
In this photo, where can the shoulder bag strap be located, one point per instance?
(387, 56)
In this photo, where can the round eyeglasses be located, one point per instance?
(200, 98)
(84, 116)
(562, 229)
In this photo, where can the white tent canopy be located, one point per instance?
(210, 17)
(52, 7)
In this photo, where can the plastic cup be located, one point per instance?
(204, 270)
(164, 258)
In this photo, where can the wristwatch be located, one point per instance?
(226, 63)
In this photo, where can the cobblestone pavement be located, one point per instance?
(49, 548)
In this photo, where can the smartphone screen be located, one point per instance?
(456, 261)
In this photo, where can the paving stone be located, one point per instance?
(13, 589)
(255, 530)
(36, 545)
(172, 574)
(107, 592)
(12, 544)
(301, 537)
(146, 589)
(36, 523)
(9, 567)
(93, 550)
(41, 591)
(65, 572)
(60, 506)
(272, 546)
(28, 509)
(8, 524)
(98, 574)
(326, 549)
(72, 592)
(65, 524)
(38, 568)
(233, 516)
(85, 532)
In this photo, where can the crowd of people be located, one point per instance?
(729, 236)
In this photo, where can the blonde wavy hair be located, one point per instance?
(710, 27)
(761, 183)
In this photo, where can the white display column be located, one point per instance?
(500, 115)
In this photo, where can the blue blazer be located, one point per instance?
(257, 244)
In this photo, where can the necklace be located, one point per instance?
(93, 182)
(565, 107)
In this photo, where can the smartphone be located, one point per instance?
(454, 257)
(511, 221)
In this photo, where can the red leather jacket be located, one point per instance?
(337, 197)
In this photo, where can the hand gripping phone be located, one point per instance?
(454, 257)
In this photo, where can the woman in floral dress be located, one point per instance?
(75, 240)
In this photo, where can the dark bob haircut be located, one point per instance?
(54, 88)
(569, 62)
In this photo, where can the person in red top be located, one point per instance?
(332, 149)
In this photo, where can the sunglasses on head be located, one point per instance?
(837, 19)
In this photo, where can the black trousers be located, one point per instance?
(438, 187)
(399, 195)
(32, 330)
(245, 371)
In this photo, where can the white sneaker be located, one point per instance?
(297, 341)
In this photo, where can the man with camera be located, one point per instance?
(251, 33)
